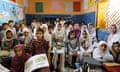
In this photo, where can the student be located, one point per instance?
(7, 44)
(40, 46)
(47, 36)
(22, 28)
(73, 47)
(77, 30)
(62, 21)
(92, 32)
(5, 27)
(59, 36)
(102, 53)
(114, 35)
(115, 51)
(18, 61)
(17, 27)
(50, 29)
(85, 38)
(57, 21)
(27, 39)
(37, 25)
(11, 24)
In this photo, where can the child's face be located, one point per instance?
(39, 35)
(18, 51)
(26, 33)
(116, 47)
(9, 35)
(44, 29)
(11, 24)
(17, 25)
(76, 26)
(72, 35)
(103, 47)
(84, 34)
(113, 29)
(59, 27)
(91, 27)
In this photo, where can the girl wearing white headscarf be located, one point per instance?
(102, 53)
(92, 32)
(47, 36)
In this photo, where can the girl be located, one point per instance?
(19, 59)
(7, 44)
(115, 51)
(92, 32)
(40, 46)
(77, 30)
(73, 47)
(102, 53)
(85, 39)
(27, 39)
(47, 37)
(59, 36)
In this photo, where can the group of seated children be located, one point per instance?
(63, 39)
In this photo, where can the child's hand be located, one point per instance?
(75, 53)
(86, 54)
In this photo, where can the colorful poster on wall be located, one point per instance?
(20, 13)
(39, 6)
(90, 3)
(56, 4)
(13, 12)
(68, 7)
(13, 0)
(8, 11)
(76, 6)
(102, 11)
(85, 4)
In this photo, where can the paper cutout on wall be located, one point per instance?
(76, 6)
(56, 4)
(20, 14)
(90, 3)
(13, 0)
(85, 4)
(68, 6)
(39, 6)
(102, 10)
(25, 3)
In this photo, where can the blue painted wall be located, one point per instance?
(88, 17)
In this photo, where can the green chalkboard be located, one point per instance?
(39, 6)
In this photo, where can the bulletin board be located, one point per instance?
(10, 11)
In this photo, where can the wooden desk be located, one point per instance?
(112, 67)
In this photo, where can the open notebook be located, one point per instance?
(3, 69)
(36, 62)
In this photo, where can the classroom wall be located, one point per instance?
(48, 9)
(20, 2)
